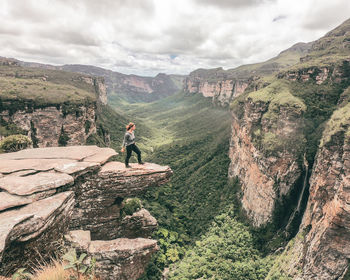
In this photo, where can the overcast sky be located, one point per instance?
(146, 37)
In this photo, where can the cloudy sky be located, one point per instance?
(146, 37)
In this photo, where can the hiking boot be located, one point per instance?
(141, 162)
(128, 166)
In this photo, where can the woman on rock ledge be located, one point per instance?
(129, 143)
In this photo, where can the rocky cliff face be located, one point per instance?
(132, 87)
(52, 107)
(221, 91)
(51, 126)
(302, 113)
(261, 153)
(46, 191)
(327, 244)
(225, 85)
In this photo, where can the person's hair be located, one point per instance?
(130, 125)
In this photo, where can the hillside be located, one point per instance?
(55, 107)
(133, 88)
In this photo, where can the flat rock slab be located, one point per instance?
(136, 169)
(76, 167)
(121, 245)
(16, 165)
(102, 156)
(69, 160)
(32, 219)
(79, 239)
(71, 152)
(9, 200)
(39, 182)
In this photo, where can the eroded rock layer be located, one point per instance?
(45, 191)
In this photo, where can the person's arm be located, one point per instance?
(126, 137)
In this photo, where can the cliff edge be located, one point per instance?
(46, 192)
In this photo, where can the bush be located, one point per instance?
(131, 206)
(14, 143)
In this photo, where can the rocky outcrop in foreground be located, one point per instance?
(120, 258)
(46, 191)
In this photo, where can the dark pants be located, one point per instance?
(129, 149)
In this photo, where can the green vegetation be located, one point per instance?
(77, 265)
(14, 143)
(192, 136)
(63, 138)
(42, 92)
(225, 251)
(131, 206)
(339, 122)
(287, 263)
(21, 274)
(8, 128)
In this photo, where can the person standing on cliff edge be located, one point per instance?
(129, 143)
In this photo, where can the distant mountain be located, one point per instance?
(133, 88)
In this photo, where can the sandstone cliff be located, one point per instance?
(224, 85)
(46, 191)
(52, 107)
(321, 248)
(264, 148)
(299, 120)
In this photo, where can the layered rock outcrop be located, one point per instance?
(46, 191)
(225, 85)
(309, 105)
(51, 126)
(221, 91)
(120, 258)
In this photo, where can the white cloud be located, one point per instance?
(150, 36)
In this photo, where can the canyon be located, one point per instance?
(289, 149)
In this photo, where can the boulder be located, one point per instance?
(121, 258)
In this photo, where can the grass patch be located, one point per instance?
(42, 92)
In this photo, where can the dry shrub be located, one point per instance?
(55, 271)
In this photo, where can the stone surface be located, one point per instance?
(222, 90)
(46, 124)
(9, 200)
(77, 153)
(139, 224)
(41, 188)
(121, 258)
(101, 195)
(39, 182)
(326, 220)
(21, 227)
(79, 239)
(37, 164)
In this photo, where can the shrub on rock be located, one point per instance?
(14, 143)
